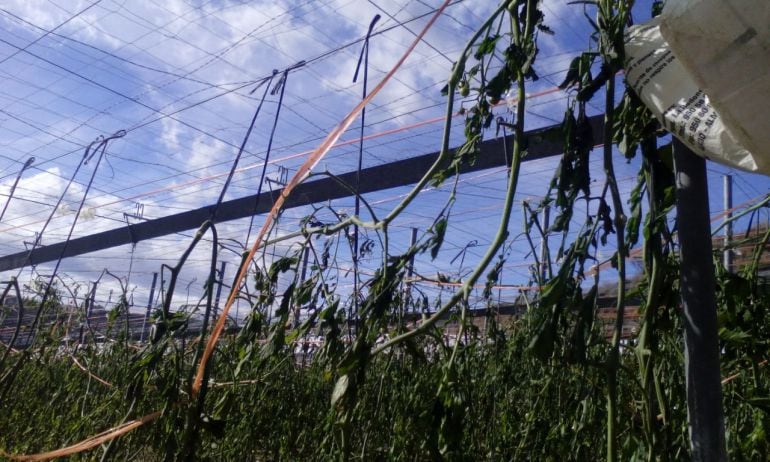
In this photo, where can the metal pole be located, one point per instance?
(410, 271)
(15, 184)
(149, 305)
(544, 245)
(701, 347)
(219, 288)
(90, 305)
(728, 203)
(362, 59)
(90, 311)
(302, 276)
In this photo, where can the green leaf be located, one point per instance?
(734, 336)
(635, 218)
(487, 46)
(543, 342)
(498, 85)
(492, 277)
(573, 74)
(439, 231)
(594, 85)
(282, 265)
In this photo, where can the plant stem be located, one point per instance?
(444, 153)
(613, 359)
(502, 230)
(646, 347)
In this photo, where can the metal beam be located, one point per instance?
(544, 142)
(727, 256)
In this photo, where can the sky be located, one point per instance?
(179, 76)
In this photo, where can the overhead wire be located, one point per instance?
(294, 156)
(280, 88)
(47, 33)
(322, 56)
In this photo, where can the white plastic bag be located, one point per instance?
(667, 89)
(725, 47)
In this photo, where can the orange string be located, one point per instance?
(86, 444)
(90, 374)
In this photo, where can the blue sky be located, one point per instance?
(177, 75)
